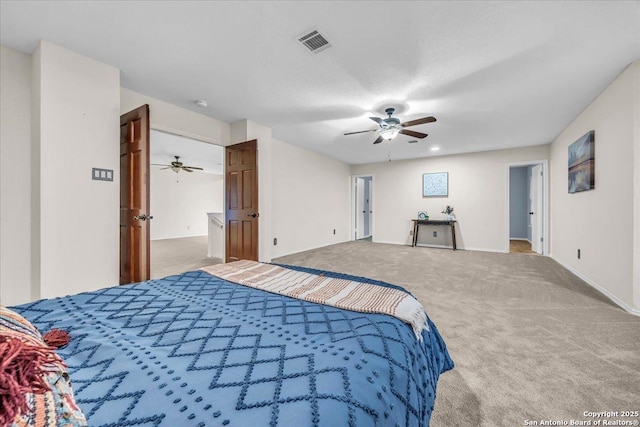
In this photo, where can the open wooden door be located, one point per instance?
(134, 196)
(241, 204)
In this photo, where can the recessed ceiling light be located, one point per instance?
(201, 103)
(435, 148)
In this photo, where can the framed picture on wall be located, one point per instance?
(582, 163)
(435, 184)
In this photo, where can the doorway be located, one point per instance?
(242, 214)
(527, 213)
(187, 201)
(363, 207)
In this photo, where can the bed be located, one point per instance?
(198, 350)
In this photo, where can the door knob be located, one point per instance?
(143, 217)
(254, 215)
(530, 213)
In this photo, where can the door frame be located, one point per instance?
(256, 199)
(537, 221)
(372, 206)
(545, 202)
(194, 137)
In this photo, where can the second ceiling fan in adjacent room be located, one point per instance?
(177, 166)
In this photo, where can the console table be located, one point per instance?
(418, 222)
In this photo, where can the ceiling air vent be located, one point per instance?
(314, 41)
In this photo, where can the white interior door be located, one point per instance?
(360, 197)
(369, 208)
(535, 195)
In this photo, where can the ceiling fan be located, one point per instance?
(177, 166)
(391, 127)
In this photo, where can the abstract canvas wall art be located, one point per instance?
(582, 163)
(435, 184)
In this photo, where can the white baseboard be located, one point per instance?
(308, 249)
(421, 245)
(391, 243)
(428, 245)
(599, 288)
(524, 239)
(500, 251)
(178, 237)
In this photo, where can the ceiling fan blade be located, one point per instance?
(421, 121)
(379, 140)
(186, 169)
(193, 168)
(413, 133)
(413, 141)
(378, 120)
(362, 131)
(168, 167)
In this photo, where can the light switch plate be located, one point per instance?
(98, 174)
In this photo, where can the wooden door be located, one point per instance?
(241, 203)
(134, 196)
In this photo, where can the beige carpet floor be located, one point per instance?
(529, 339)
(175, 256)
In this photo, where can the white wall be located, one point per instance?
(303, 196)
(477, 192)
(35, 173)
(310, 198)
(636, 191)
(170, 118)
(265, 199)
(79, 106)
(15, 177)
(600, 222)
(180, 208)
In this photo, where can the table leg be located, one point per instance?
(453, 235)
(415, 234)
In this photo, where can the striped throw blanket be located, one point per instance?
(340, 293)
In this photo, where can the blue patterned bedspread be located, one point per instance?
(195, 350)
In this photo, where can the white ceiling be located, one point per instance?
(165, 146)
(495, 74)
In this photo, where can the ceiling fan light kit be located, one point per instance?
(390, 127)
(389, 133)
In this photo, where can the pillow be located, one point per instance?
(35, 389)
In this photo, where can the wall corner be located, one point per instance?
(636, 186)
